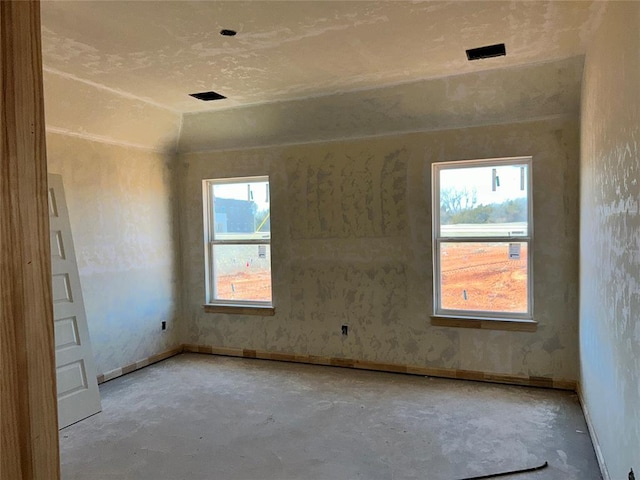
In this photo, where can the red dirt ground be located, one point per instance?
(254, 285)
(492, 281)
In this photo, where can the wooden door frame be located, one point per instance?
(28, 407)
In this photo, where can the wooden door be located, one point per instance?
(78, 394)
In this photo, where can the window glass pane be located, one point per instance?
(241, 211)
(490, 277)
(486, 201)
(242, 272)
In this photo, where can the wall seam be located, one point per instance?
(559, 116)
(115, 91)
(339, 92)
(101, 139)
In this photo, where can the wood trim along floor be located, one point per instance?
(530, 381)
(592, 434)
(132, 367)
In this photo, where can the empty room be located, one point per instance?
(320, 240)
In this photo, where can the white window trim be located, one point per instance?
(437, 240)
(209, 241)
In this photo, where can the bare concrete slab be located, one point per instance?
(206, 417)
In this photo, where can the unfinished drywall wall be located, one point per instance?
(610, 238)
(351, 243)
(115, 152)
(120, 203)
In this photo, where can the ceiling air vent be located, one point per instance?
(498, 50)
(207, 96)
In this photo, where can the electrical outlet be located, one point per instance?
(345, 330)
(164, 325)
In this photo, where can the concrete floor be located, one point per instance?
(207, 417)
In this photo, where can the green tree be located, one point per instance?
(509, 211)
(454, 200)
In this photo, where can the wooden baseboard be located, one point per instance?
(592, 434)
(118, 372)
(530, 381)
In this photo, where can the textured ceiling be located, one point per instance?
(162, 51)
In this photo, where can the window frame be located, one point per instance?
(210, 242)
(438, 239)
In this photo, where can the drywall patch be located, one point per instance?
(374, 294)
(349, 195)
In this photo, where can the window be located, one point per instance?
(237, 223)
(482, 234)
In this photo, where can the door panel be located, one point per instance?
(78, 394)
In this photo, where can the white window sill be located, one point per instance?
(514, 325)
(240, 309)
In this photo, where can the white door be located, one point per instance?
(78, 394)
